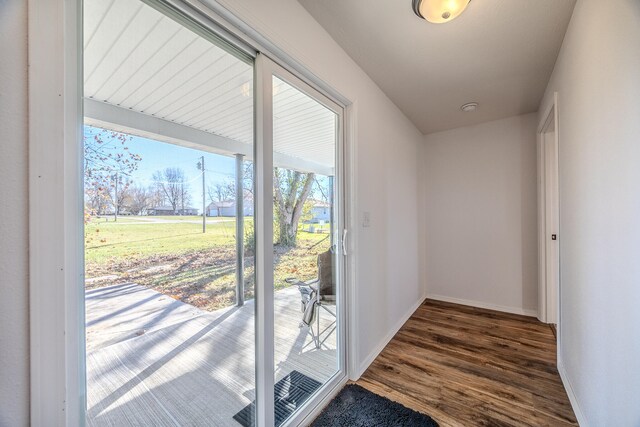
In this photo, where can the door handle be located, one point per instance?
(344, 242)
(554, 237)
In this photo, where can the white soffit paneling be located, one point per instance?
(302, 125)
(142, 61)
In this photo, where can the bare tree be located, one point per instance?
(221, 192)
(156, 195)
(324, 195)
(226, 190)
(185, 197)
(96, 198)
(106, 155)
(118, 193)
(291, 190)
(247, 176)
(170, 183)
(139, 200)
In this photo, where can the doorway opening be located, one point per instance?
(549, 219)
(213, 263)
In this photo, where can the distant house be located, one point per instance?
(217, 208)
(320, 211)
(188, 211)
(227, 208)
(320, 221)
(161, 210)
(168, 210)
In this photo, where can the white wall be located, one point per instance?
(388, 283)
(14, 314)
(479, 211)
(597, 77)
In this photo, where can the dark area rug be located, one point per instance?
(355, 406)
(290, 392)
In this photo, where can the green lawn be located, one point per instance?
(108, 241)
(173, 256)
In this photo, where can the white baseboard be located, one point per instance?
(582, 421)
(488, 306)
(378, 349)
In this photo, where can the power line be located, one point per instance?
(153, 181)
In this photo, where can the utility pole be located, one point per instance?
(204, 203)
(239, 232)
(115, 201)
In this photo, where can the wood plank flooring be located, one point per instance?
(467, 366)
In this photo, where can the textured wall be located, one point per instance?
(597, 77)
(388, 284)
(480, 215)
(14, 296)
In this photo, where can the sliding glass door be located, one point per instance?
(307, 262)
(213, 226)
(170, 315)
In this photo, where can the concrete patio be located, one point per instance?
(153, 360)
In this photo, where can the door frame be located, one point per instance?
(266, 69)
(56, 231)
(56, 246)
(549, 283)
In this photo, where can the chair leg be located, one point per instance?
(318, 327)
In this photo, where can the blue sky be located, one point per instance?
(158, 156)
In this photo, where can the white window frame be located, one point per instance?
(56, 246)
(266, 69)
(55, 213)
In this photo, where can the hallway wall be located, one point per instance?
(597, 77)
(479, 199)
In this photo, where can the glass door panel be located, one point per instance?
(213, 219)
(306, 263)
(169, 248)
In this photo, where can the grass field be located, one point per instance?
(173, 256)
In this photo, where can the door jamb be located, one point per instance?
(550, 113)
(56, 275)
(333, 385)
(57, 381)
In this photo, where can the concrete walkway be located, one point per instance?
(152, 360)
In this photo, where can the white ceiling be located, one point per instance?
(499, 53)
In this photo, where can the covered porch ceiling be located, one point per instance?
(146, 74)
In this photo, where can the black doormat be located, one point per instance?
(358, 407)
(290, 393)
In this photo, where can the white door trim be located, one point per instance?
(548, 218)
(263, 148)
(310, 408)
(55, 214)
(56, 255)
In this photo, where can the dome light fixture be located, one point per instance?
(469, 107)
(439, 11)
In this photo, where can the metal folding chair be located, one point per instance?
(316, 295)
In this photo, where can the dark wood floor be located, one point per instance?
(466, 366)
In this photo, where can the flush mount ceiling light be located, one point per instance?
(469, 107)
(439, 11)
